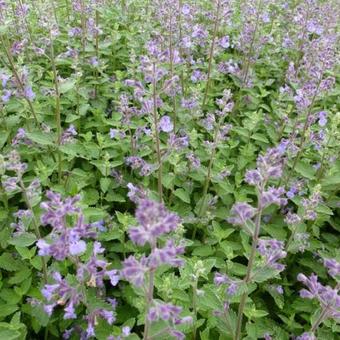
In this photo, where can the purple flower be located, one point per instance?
(240, 213)
(326, 295)
(195, 163)
(272, 250)
(68, 134)
(126, 330)
(154, 220)
(292, 219)
(333, 267)
(56, 209)
(279, 289)
(94, 61)
(113, 276)
(136, 162)
(10, 183)
(77, 247)
(166, 255)
(6, 95)
(220, 279)
(113, 133)
(70, 312)
(178, 143)
(322, 118)
(253, 177)
(164, 311)
(225, 42)
(306, 336)
(165, 124)
(134, 270)
(29, 94)
(135, 193)
(273, 196)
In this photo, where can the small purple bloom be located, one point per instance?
(322, 118)
(240, 213)
(225, 42)
(134, 270)
(165, 124)
(29, 94)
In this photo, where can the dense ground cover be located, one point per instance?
(169, 169)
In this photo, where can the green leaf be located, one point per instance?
(260, 137)
(105, 184)
(205, 250)
(254, 313)
(67, 85)
(8, 263)
(23, 240)
(305, 169)
(209, 300)
(264, 273)
(7, 309)
(20, 276)
(182, 194)
(333, 179)
(41, 138)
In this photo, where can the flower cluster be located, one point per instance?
(269, 166)
(63, 241)
(272, 251)
(327, 296)
(232, 285)
(154, 222)
(69, 242)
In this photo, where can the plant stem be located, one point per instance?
(171, 52)
(321, 170)
(158, 148)
(97, 53)
(57, 108)
(303, 135)
(180, 5)
(83, 27)
(17, 77)
(148, 300)
(323, 315)
(35, 224)
(194, 308)
(250, 264)
(211, 53)
(208, 177)
(245, 77)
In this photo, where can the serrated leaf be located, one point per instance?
(8, 263)
(182, 194)
(305, 169)
(23, 240)
(67, 85)
(41, 138)
(7, 309)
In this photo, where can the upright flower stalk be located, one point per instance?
(154, 221)
(18, 79)
(327, 296)
(252, 42)
(57, 106)
(268, 166)
(211, 51)
(221, 130)
(156, 134)
(30, 194)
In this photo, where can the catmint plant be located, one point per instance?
(154, 222)
(327, 297)
(269, 166)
